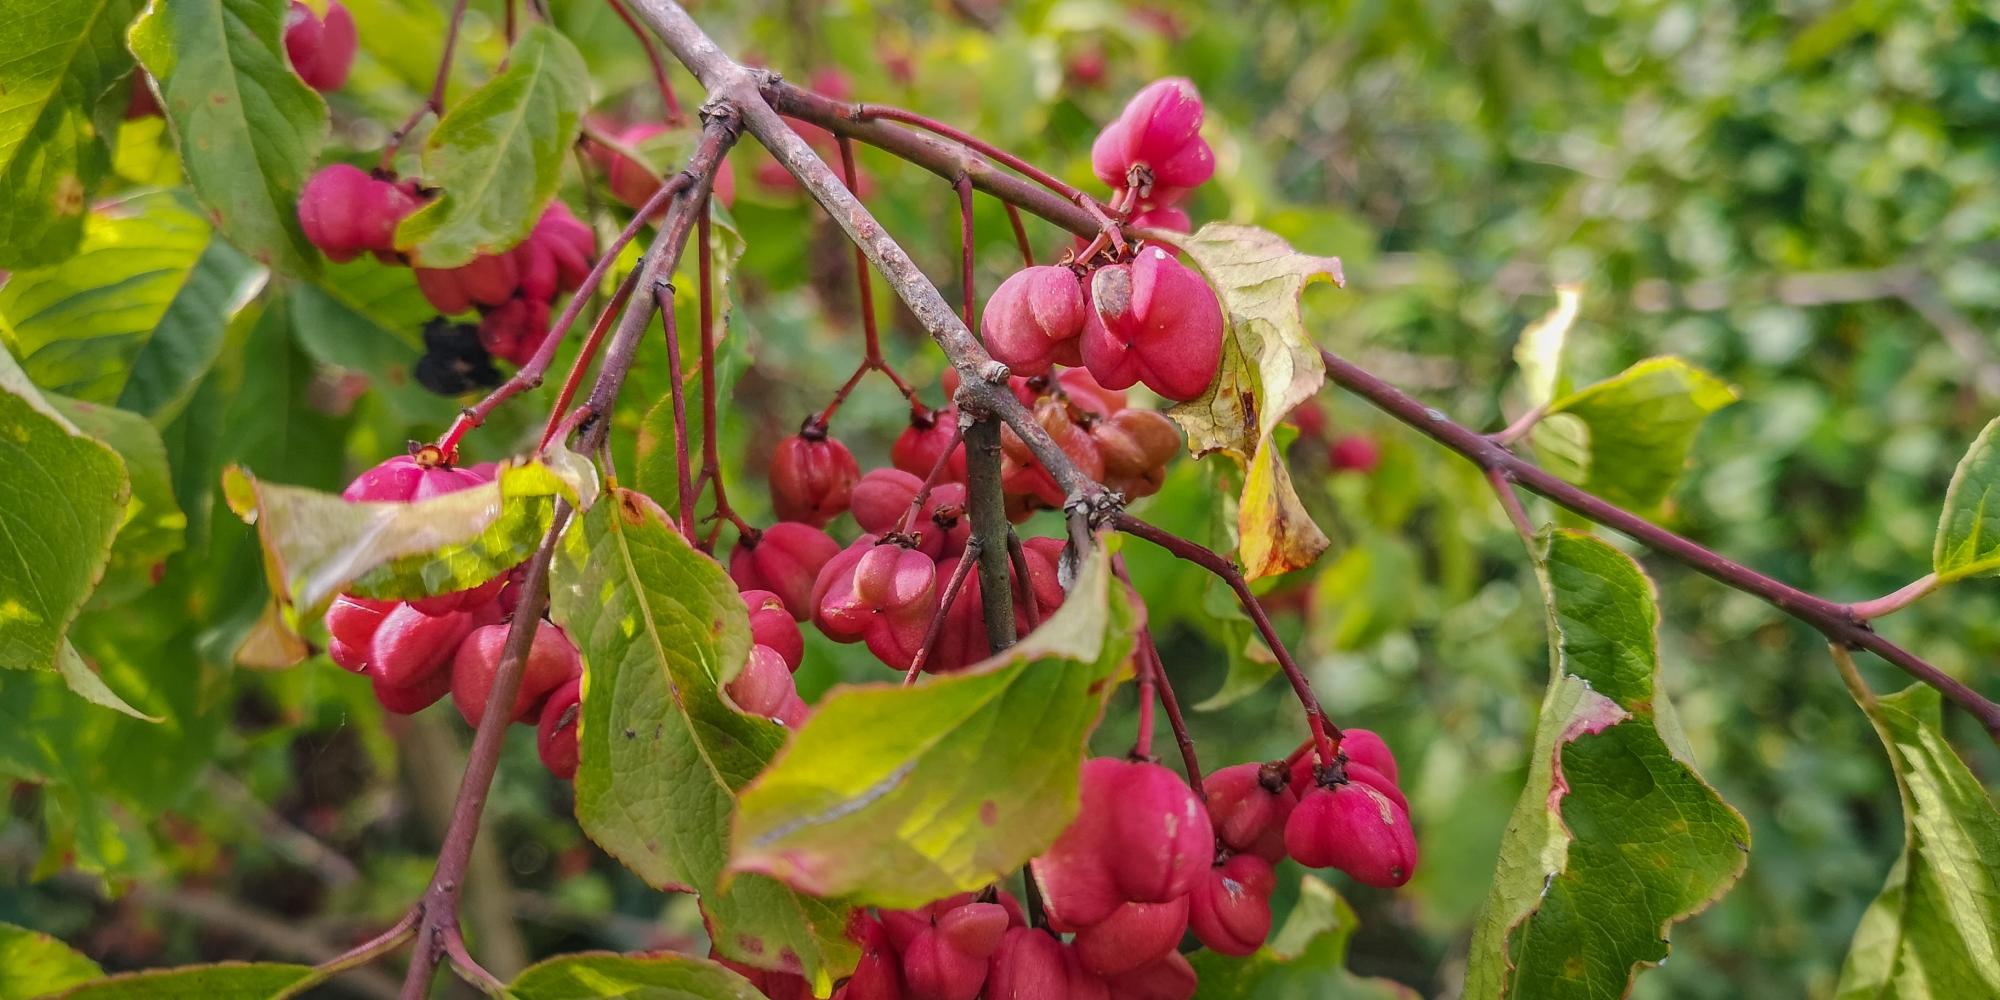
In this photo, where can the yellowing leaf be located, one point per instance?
(1269, 366)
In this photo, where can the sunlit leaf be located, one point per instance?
(1934, 932)
(137, 316)
(317, 545)
(153, 525)
(61, 56)
(896, 796)
(33, 964)
(663, 755)
(662, 976)
(498, 155)
(222, 981)
(249, 129)
(62, 498)
(1539, 352)
(1631, 433)
(1616, 837)
(1968, 535)
(1269, 366)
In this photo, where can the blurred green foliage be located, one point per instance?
(1803, 199)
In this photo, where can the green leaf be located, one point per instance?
(84, 683)
(154, 526)
(85, 328)
(365, 317)
(1636, 429)
(1539, 351)
(895, 796)
(1305, 960)
(62, 55)
(663, 976)
(33, 964)
(498, 156)
(250, 130)
(1968, 535)
(1616, 837)
(663, 756)
(317, 545)
(61, 500)
(222, 981)
(1269, 366)
(1934, 932)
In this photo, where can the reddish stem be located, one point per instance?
(1024, 592)
(883, 112)
(711, 455)
(909, 522)
(530, 374)
(663, 298)
(964, 188)
(1325, 733)
(672, 103)
(1020, 234)
(560, 421)
(434, 103)
(966, 560)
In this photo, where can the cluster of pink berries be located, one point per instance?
(1146, 862)
(417, 651)
(347, 211)
(884, 589)
(1146, 319)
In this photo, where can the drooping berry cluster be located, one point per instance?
(1142, 318)
(417, 651)
(1146, 862)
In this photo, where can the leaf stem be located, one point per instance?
(1888, 604)
(434, 102)
(966, 561)
(671, 104)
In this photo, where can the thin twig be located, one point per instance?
(434, 101)
(966, 560)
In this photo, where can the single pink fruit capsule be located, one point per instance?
(764, 685)
(408, 645)
(772, 626)
(877, 976)
(1155, 148)
(350, 625)
(881, 500)
(555, 733)
(1159, 840)
(556, 256)
(346, 211)
(514, 330)
(812, 477)
(552, 662)
(1028, 965)
(933, 969)
(487, 280)
(1230, 910)
(321, 50)
(1249, 814)
(930, 432)
(1354, 453)
(414, 697)
(784, 559)
(1153, 321)
(1134, 935)
(885, 599)
(1356, 829)
(1032, 320)
(1170, 978)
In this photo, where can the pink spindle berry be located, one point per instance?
(552, 662)
(930, 432)
(1359, 746)
(1355, 828)
(633, 184)
(1170, 978)
(487, 280)
(784, 559)
(408, 646)
(963, 639)
(321, 49)
(771, 625)
(764, 686)
(1033, 319)
(1160, 840)
(350, 627)
(514, 330)
(1027, 965)
(346, 211)
(555, 258)
(414, 697)
(812, 477)
(408, 478)
(882, 499)
(948, 960)
(1354, 453)
(1249, 814)
(1155, 148)
(555, 733)
(1153, 321)
(1134, 935)
(879, 975)
(1169, 218)
(885, 598)
(1230, 911)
